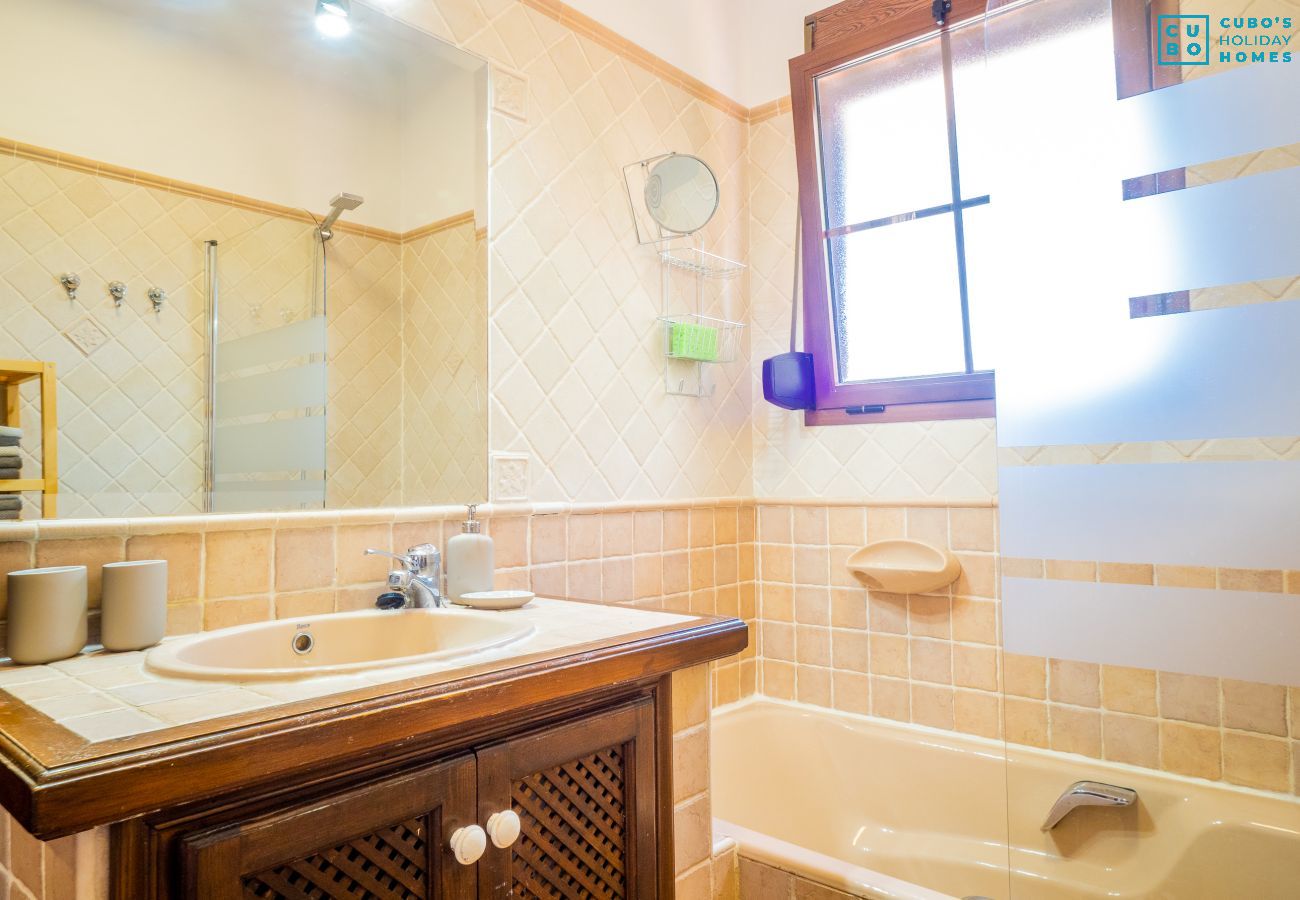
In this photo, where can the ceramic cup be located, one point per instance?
(133, 609)
(47, 614)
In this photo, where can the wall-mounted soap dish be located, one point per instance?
(904, 567)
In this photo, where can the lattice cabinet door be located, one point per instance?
(584, 793)
(387, 840)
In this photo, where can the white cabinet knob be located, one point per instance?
(503, 828)
(468, 844)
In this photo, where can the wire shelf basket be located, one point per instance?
(700, 262)
(701, 339)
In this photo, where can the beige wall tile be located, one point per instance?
(352, 542)
(1026, 676)
(1025, 722)
(929, 616)
(676, 572)
(547, 540)
(584, 537)
(810, 525)
(304, 558)
(812, 645)
(726, 525)
(1129, 690)
(778, 641)
(1257, 762)
(775, 524)
(306, 603)
(509, 541)
(848, 608)
(14, 555)
(690, 691)
(1131, 739)
(1189, 698)
(1250, 580)
(584, 580)
(184, 555)
(813, 685)
(973, 529)
(184, 618)
(849, 650)
(1072, 682)
(676, 534)
(812, 565)
(1071, 570)
(241, 611)
(89, 552)
(887, 612)
(616, 534)
(932, 705)
(979, 575)
(778, 602)
(1125, 573)
(1185, 576)
(931, 661)
(1190, 750)
(1075, 730)
(1015, 567)
(976, 712)
(236, 562)
(690, 763)
(975, 667)
(812, 605)
(776, 563)
(852, 691)
(884, 523)
(701, 526)
(648, 531)
(692, 833)
(888, 655)
(847, 526)
(778, 679)
(760, 882)
(891, 698)
(929, 525)
(974, 620)
(1254, 707)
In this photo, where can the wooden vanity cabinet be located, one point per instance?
(586, 789)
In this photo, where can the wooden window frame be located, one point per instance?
(840, 35)
(836, 37)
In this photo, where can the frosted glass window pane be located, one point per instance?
(897, 300)
(884, 136)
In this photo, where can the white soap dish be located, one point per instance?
(904, 567)
(496, 599)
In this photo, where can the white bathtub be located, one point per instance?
(885, 810)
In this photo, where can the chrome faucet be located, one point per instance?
(419, 580)
(1087, 793)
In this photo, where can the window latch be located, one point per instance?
(940, 9)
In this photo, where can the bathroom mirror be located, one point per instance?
(681, 193)
(295, 217)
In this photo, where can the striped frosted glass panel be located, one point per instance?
(253, 496)
(300, 387)
(1246, 229)
(274, 345)
(289, 445)
(1230, 514)
(1236, 111)
(1229, 634)
(1216, 373)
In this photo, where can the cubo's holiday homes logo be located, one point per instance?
(1186, 40)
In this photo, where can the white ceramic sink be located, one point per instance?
(334, 644)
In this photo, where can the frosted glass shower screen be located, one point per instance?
(1148, 379)
(268, 387)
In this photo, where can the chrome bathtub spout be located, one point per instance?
(1087, 793)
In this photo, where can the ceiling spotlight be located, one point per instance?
(332, 18)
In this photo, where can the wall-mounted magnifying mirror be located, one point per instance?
(681, 193)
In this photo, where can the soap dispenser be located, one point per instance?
(469, 559)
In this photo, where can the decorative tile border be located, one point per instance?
(1278, 448)
(213, 195)
(1271, 581)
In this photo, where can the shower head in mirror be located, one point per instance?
(340, 204)
(681, 193)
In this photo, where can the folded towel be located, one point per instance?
(10, 453)
(11, 431)
(6, 514)
(11, 501)
(9, 441)
(10, 471)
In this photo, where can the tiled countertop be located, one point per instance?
(101, 696)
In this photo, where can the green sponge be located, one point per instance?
(694, 341)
